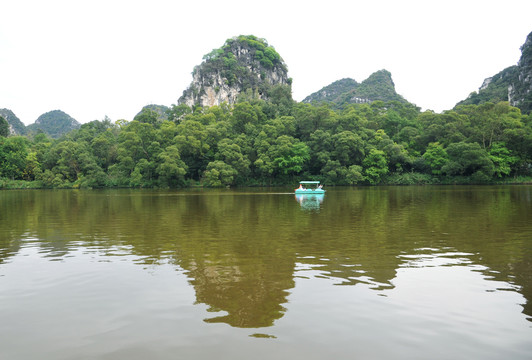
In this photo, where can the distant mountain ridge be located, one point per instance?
(247, 64)
(55, 123)
(378, 86)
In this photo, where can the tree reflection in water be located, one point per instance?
(241, 252)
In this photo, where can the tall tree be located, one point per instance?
(13, 155)
(375, 166)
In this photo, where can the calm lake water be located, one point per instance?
(360, 273)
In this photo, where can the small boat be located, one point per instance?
(315, 188)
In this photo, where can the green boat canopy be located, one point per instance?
(309, 182)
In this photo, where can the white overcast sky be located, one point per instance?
(101, 58)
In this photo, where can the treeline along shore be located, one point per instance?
(277, 142)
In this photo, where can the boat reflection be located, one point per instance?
(310, 201)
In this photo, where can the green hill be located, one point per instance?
(54, 123)
(378, 86)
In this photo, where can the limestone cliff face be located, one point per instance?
(209, 90)
(243, 64)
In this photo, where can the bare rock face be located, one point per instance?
(243, 64)
(486, 83)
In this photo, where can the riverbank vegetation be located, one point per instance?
(278, 142)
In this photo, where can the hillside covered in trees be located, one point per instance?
(378, 86)
(262, 137)
(54, 123)
(513, 84)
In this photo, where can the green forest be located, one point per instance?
(278, 142)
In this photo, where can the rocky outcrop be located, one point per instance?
(486, 83)
(243, 64)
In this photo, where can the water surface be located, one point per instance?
(369, 273)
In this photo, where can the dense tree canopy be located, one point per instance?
(4, 127)
(256, 142)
